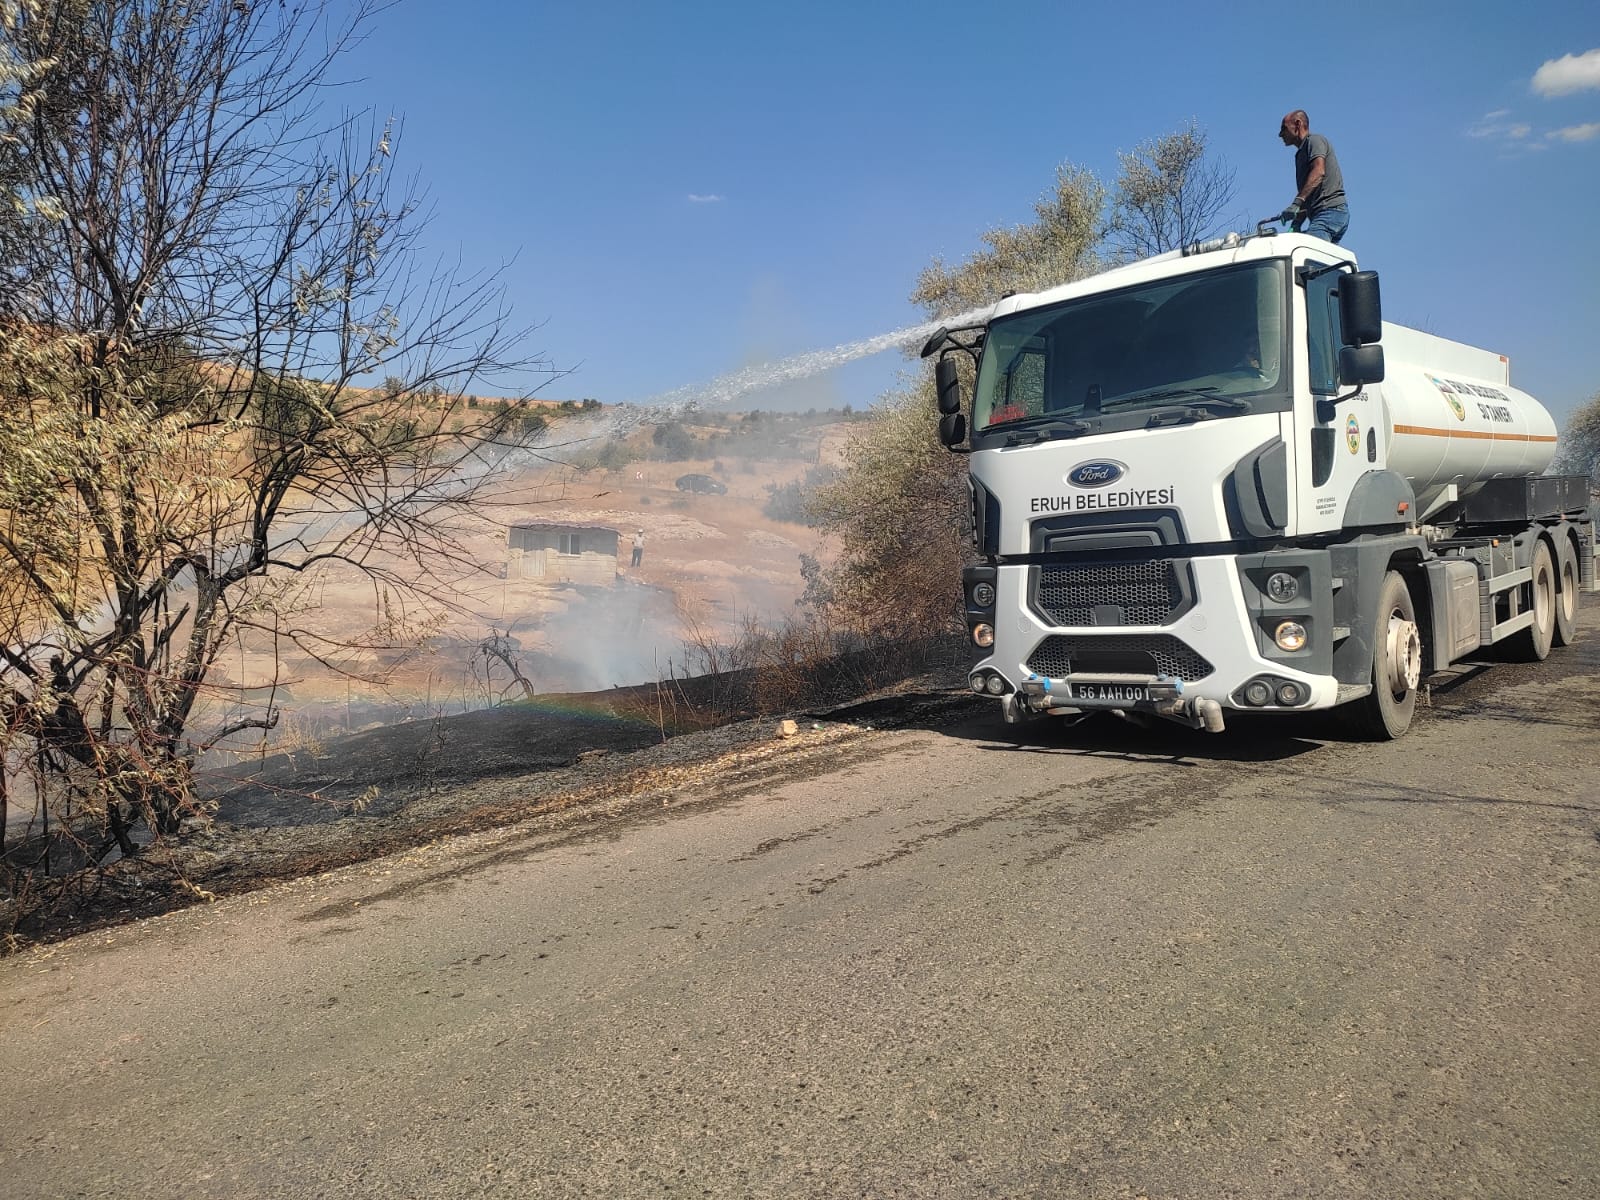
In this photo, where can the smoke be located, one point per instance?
(594, 638)
(630, 634)
(608, 638)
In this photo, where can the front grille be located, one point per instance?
(1148, 592)
(1060, 655)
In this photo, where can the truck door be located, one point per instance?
(1340, 444)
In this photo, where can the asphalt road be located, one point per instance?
(956, 960)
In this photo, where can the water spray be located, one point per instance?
(724, 389)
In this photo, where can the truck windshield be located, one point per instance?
(1213, 339)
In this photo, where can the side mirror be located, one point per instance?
(948, 385)
(1360, 312)
(952, 429)
(1360, 364)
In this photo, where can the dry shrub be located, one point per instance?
(899, 516)
(807, 665)
(805, 662)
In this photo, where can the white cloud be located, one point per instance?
(1576, 133)
(697, 198)
(1569, 73)
(1495, 125)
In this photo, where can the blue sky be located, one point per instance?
(690, 188)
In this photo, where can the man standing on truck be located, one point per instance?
(1319, 202)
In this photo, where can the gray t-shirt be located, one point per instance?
(1330, 192)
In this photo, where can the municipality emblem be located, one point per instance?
(1449, 394)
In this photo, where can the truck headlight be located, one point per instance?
(1290, 635)
(983, 635)
(982, 595)
(1282, 586)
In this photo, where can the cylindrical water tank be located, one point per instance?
(1447, 427)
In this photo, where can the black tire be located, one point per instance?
(1533, 643)
(1567, 599)
(1384, 713)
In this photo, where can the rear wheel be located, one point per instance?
(1567, 600)
(1385, 712)
(1533, 643)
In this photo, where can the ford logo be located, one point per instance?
(1095, 474)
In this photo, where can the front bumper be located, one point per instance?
(1159, 697)
(1209, 651)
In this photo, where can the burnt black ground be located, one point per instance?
(585, 757)
(372, 793)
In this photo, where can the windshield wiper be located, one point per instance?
(1178, 414)
(1196, 395)
(1062, 427)
(1198, 409)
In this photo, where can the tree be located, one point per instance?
(1169, 194)
(19, 93)
(1580, 441)
(900, 510)
(188, 443)
(614, 455)
(900, 513)
(673, 443)
(1061, 244)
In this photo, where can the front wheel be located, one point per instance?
(1385, 713)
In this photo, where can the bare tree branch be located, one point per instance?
(1169, 194)
(209, 272)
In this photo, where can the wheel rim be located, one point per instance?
(1568, 598)
(1403, 655)
(1542, 601)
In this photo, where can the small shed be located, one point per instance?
(559, 553)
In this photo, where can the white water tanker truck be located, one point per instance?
(1216, 481)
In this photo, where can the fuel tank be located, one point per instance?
(1452, 416)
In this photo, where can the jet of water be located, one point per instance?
(725, 389)
(622, 419)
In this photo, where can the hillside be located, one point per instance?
(712, 562)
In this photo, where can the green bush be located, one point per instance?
(791, 501)
(673, 443)
(615, 455)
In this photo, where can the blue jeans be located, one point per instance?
(1329, 224)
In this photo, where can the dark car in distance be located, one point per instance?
(703, 484)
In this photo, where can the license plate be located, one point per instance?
(1126, 692)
